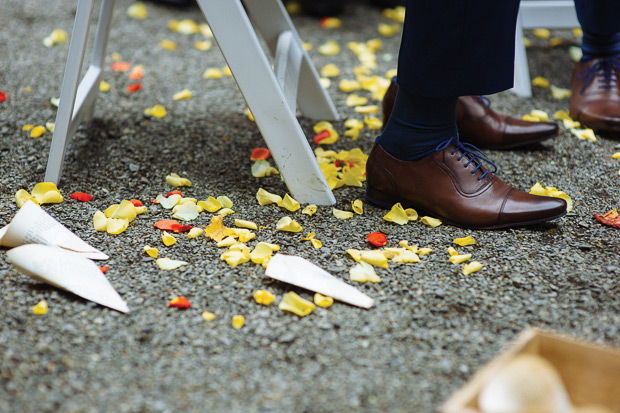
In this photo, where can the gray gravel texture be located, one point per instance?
(431, 327)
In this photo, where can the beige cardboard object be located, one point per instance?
(590, 373)
(302, 273)
(68, 271)
(32, 225)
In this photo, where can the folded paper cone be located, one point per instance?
(68, 271)
(32, 225)
(302, 273)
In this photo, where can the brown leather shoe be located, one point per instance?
(453, 185)
(481, 126)
(595, 100)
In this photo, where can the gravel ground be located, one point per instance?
(431, 327)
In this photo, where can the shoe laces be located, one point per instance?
(606, 71)
(475, 155)
(485, 101)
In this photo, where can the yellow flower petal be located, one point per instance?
(203, 45)
(22, 196)
(225, 201)
(309, 210)
(374, 257)
(264, 297)
(616, 155)
(28, 127)
(367, 110)
(363, 272)
(186, 212)
(124, 210)
(424, 251)
(167, 239)
(541, 33)
(431, 222)
(330, 70)
(216, 230)
(176, 181)
(211, 204)
(538, 189)
(208, 316)
(58, 36)
(169, 202)
(584, 134)
(295, 304)
(137, 11)
(575, 53)
(405, 244)
(468, 240)
(323, 300)
(245, 224)
(168, 44)
(373, 123)
(412, 214)
(116, 225)
(194, 232)
(187, 26)
(46, 193)
(541, 82)
(289, 203)
(562, 115)
(152, 252)
(40, 308)
(238, 321)
(262, 168)
(457, 259)
(100, 221)
(261, 251)
(397, 215)
(331, 23)
(288, 224)
(248, 113)
(358, 206)
(342, 214)
(212, 73)
(267, 198)
(451, 251)
(329, 48)
(183, 94)
(349, 85)
(555, 41)
(234, 258)
(388, 30)
(168, 264)
(316, 243)
(355, 254)
(355, 100)
(37, 131)
(560, 93)
(471, 267)
(227, 242)
(157, 111)
(407, 257)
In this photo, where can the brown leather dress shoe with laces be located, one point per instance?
(481, 126)
(595, 100)
(452, 184)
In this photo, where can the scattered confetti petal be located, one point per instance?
(575, 53)
(81, 196)
(183, 94)
(260, 154)
(238, 321)
(169, 264)
(151, 252)
(37, 131)
(363, 272)
(58, 36)
(186, 212)
(180, 302)
(136, 73)
(373, 122)
(407, 256)
(116, 225)
(397, 14)
(388, 30)
(541, 33)
(208, 316)
(330, 70)
(50, 126)
(22, 196)
(367, 110)
(40, 308)
(267, 198)
(262, 168)
(583, 134)
(261, 251)
(310, 210)
(289, 203)
(357, 206)
(288, 224)
(46, 193)
(375, 258)
(329, 48)
(120, 66)
(560, 93)
(330, 23)
(349, 85)
(459, 258)
(168, 45)
(451, 251)
(397, 215)
(245, 224)
(212, 73)
(471, 267)
(176, 181)
(216, 230)
(104, 269)
(157, 111)
(2, 96)
(611, 218)
(536, 116)
(342, 214)
(555, 41)
(264, 297)
(431, 222)
(203, 45)
(100, 221)
(378, 239)
(541, 82)
(168, 239)
(468, 240)
(137, 11)
(295, 304)
(323, 300)
(424, 251)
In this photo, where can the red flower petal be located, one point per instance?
(180, 228)
(611, 218)
(166, 224)
(180, 302)
(136, 202)
(134, 88)
(120, 66)
(81, 196)
(2, 96)
(260, 153)
(378, 239)
(175, 192)
(322, 135)
(103, 269)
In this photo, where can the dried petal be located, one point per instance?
(116, 225)
(234, 257)
(397, 215)
(309, 210)
(295, 304)
(180, 302)
(468, 240)
(216, 230)
(363, 272)
(176, 181)
(40, 308)
(100, 221)
(168, 239)
(186, 212)
(342, 214)
(46, 193)
(81, 196)
(238, 321)
(152, 252)
(245, 224)
(451, 251)
(168, 264)
(431, 222)
(457, 259)
(378, 239)
(264, 297)
(407, 257)
(611, 218)
(289, 203)
(288, 224)
(260, 154)
(266, 198)
(22, 196)
(357, 206)
(323, 300)
(183, 94)
(376, 258)
(471, 267)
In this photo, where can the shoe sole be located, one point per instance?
(386, 204)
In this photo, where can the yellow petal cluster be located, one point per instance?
(175, 180)
(397, 215)
(583, 134)
(363, 272)
(46, 193)
(536, 116)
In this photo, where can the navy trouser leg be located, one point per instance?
(458, 47)
(600, 22)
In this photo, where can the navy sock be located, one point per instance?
(595, 45)
(417, 125)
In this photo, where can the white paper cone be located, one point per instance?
(68, 271)
(302, 273)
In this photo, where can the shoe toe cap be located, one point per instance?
(523, 208)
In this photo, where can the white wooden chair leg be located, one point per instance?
(258, 84)
(522, 86)
(270, 18)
